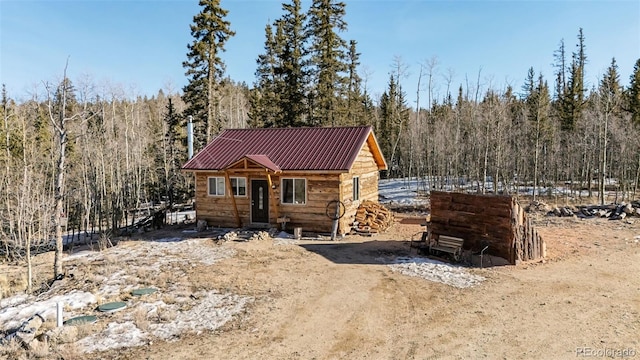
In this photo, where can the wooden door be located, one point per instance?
(259, 201)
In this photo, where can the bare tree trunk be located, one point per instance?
(59, 193)
(536, 157)
(635, 185)
(603, 166)
(60, 126)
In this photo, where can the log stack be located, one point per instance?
(495, 222)
(611, 211)
(372, 218)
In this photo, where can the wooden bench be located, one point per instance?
(448, 244)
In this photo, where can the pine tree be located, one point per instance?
(293, 67)
(205, 69)
(357, 102)
(328, 61)
(633, 94)
(394, 116)
(610, 90)
(561, 71)
(537, 101)
(175, 154)
(609, 96)
(279, 98)
(573, 101)
(265, 96)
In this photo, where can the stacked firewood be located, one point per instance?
(372, 218)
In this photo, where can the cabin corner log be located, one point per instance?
(496, 221)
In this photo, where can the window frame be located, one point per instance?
(235, 191)
(356, 188)
(293, 180)
(218, 178)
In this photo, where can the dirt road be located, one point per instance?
(323, 300)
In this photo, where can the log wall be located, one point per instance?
(366, 169)
(481, 220)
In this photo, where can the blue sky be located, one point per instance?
(140, 45)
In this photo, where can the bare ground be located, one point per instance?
(336, 300)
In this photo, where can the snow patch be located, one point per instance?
(115, 336)
(436, 271)
(206, 311)
(11, 317)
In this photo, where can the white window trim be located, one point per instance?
(306, 195)
(217, 190)
(356, 179)
(246, 187)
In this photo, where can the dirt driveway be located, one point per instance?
(337, 300)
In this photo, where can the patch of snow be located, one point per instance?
(213, 311)
(401, 191)
(284, 235)
(115, 336)
(13, 316)
(210, 311)
(284, 238)
(436, 271)
(13, 300)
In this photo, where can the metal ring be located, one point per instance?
(339, 209)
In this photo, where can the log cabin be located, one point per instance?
(264, 177)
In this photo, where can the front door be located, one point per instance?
(259, 201)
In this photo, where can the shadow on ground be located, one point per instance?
(369, 252)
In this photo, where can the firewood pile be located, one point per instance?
(611, 211)
(372, 218)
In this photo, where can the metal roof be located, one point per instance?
(264, 161)
(334, 148)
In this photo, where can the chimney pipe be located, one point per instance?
(190, 136)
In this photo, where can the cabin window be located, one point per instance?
(294, 191)
(239, 186)
(356, 188)
(216, 186)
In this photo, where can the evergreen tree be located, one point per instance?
(205, 69)
(293, 68)
(609, 96)
(357, 102)
(175, 155)
(573, 101)
(265, 96)
(328, 53)
(633, 94)
(610, 90)
(394, 116)
(278, 98)
(561, 71)
(537, 102)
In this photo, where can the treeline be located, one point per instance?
(87, 156)
(120, 154)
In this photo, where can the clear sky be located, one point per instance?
(140, 45)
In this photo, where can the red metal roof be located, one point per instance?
(334, 148)
(264, 161)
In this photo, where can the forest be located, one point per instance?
(83, 158)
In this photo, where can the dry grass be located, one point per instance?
(13, 283)
(86, 329)
(40, 349)
(169, 299)
(166, 314)
(141, 319)
(69, 352)
(13, 350)
(164, 279)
